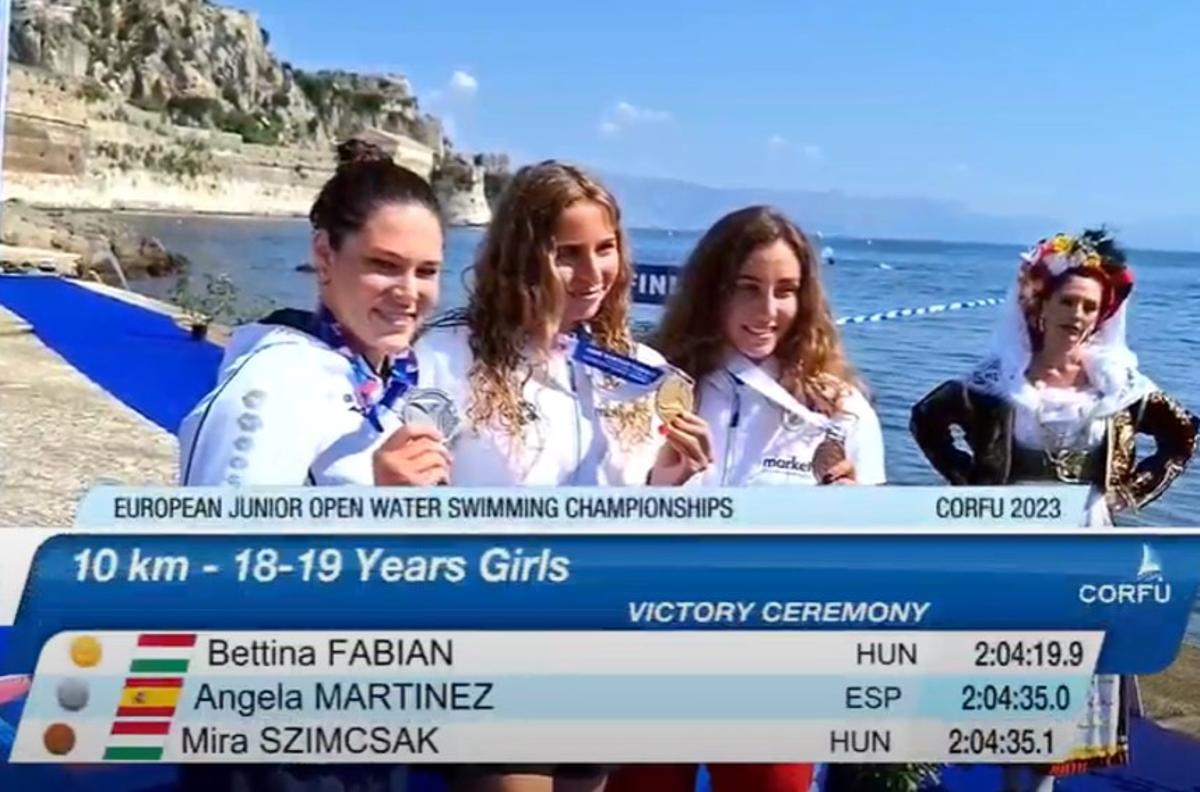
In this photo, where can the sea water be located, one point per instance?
(900, 360)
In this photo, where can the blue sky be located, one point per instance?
(1084, 111)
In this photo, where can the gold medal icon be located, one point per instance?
(676, 395)
(85, 651)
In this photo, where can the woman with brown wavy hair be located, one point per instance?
(751, 324)
(553, 387)
(774, 382)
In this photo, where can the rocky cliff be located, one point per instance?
(106, 95)
(209, 66)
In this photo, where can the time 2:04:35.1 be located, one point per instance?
(1000, 742)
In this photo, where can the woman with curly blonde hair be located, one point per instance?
(553, 387)
(540, 360)
(750, 323)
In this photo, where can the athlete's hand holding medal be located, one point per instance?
(688, 447)
(417, 455)
(830, 463)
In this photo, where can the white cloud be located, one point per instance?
(814, 152)
(776, 141)
(463, 83)
(631, 114)
(623, 115)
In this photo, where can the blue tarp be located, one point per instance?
(140, 356)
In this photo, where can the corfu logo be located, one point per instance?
(1150, 586)
(1150, 570)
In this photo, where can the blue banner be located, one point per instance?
(1136, 588)
(653, 283)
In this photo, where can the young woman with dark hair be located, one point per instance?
(310, 397)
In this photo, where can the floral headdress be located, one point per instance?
(1112, 367)
(1091, 253)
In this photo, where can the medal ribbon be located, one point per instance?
(374, 391)
(643, 377)
(750, 374)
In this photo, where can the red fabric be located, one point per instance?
(725, 778)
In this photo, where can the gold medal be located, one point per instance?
(675, 396)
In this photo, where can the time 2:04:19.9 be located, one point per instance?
(1051, 653)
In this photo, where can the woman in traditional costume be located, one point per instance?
(1060, 399)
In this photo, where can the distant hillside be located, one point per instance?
(666, 203)
(675, 204)
(1167, 233)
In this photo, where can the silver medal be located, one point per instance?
(431, 407)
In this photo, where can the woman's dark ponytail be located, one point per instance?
(366, 179)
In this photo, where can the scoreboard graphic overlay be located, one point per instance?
(849, 624)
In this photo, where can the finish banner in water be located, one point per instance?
(654, 283)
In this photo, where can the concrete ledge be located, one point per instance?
(217, 333)
(64, 263)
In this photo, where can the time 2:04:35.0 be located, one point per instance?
(1016, 698)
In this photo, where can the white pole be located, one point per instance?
(5, 22)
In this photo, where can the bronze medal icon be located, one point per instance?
(59, 739)
(675, 396)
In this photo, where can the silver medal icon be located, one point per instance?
(431, 407)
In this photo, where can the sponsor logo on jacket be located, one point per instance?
(789, 465)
